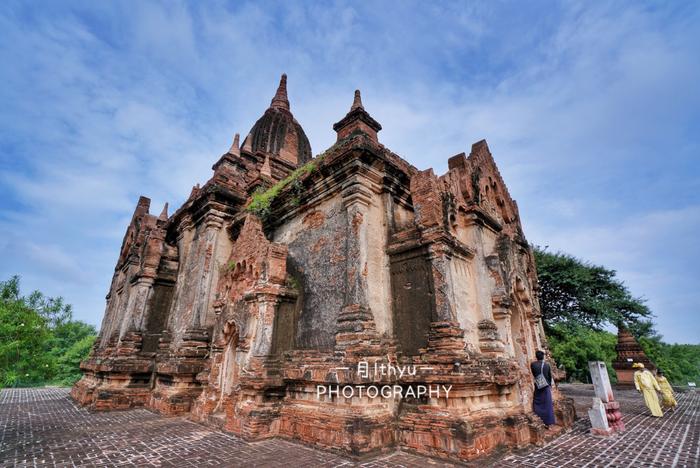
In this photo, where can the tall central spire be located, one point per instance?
(280, 100)
(277, 133)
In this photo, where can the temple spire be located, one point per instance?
(357, 101)
(357, 120)
(266, 170)
(280, 100)
(248, 143)
(235, 148)
(164, 214)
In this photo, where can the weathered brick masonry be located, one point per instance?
(629, 352)
(234, 313)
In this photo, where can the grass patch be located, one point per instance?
(261, 200)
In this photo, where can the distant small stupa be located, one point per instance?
(628, 352)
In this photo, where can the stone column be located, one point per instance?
(355, 319)
(537, 332)
(502, 314)
(438, 260)
(213, 223)
(601, 382)
(268, 294)
(138, 302)
(130, 332)
(266, 304)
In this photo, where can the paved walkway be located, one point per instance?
(43, 427)
(671, 441)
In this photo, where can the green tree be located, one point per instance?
(574, 292)
(40, 342)
(68, 363)
(573, 346)
(578, 299)
(23, 335)
(680, 362)
(69, 343)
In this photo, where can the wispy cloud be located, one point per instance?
(590, 109)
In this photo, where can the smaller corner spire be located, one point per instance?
(357, 119)
(144, 204)
(248, 143)
(164, 214)
(266, 170)
(357, 101)
(142, 207)
(235, 147)
(280, 100)
(195, 191)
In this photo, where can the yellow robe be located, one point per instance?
(667, 398)
(646, 383)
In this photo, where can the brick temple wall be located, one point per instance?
(237, 309)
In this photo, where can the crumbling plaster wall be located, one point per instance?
(463, 283)
(483, 242)
(116, 306)
(377, 269)
(317, 260)
(204, 250)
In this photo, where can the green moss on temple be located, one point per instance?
(261, 201)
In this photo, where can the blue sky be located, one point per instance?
(591, 109)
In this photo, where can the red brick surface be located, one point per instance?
(44, 427)
(671, 441)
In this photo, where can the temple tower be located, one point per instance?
(628, 352)
(285, 274)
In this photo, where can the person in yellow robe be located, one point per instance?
(667, 397)
(648, 386)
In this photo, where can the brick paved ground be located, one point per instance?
(43, 427)
(671, 441)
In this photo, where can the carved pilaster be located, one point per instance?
(439, 261)
(140, 292)
(355, 321)
(213, 224)
(489, 339)
(502, 315)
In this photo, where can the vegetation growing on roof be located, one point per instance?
(261, 201)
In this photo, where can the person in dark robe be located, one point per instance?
(542, 403)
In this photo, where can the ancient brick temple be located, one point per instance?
(628, 352)
(284, 272)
